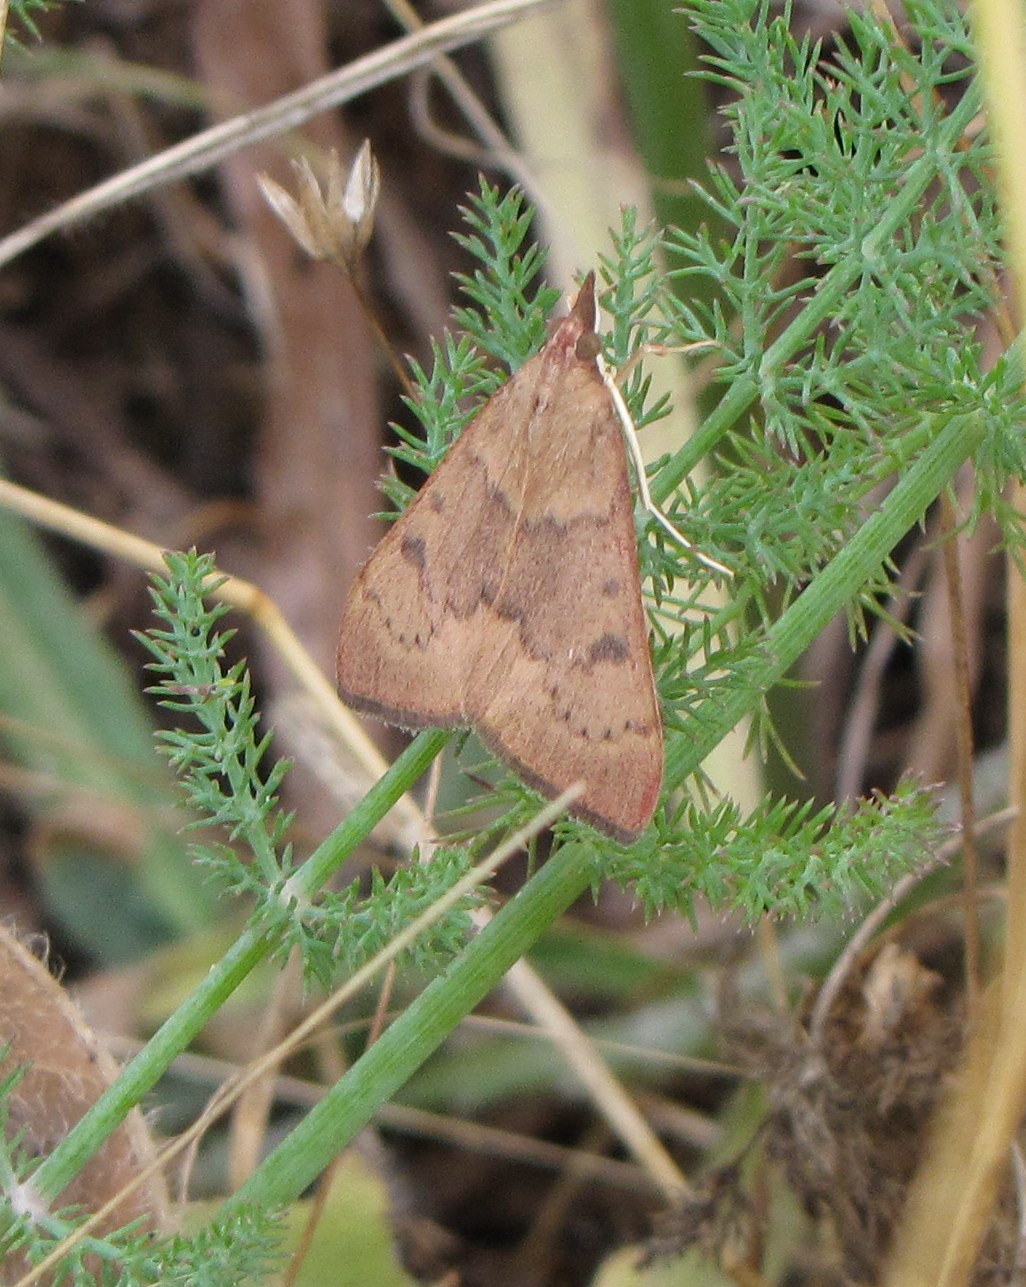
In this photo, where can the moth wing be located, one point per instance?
(572, 697)
(411, 632)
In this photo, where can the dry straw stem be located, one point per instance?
(621, 1113)
(473, 1135)
(950, 1205)
(466, 1134)
(204, 151)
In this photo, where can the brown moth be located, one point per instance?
(507, 598)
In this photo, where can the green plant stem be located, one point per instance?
(419, 1030)
(446, 1001)
(816, 311)
(252, 946)
(832, 589)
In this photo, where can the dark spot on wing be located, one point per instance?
(506, 610)
(609, 648)
(414, 550)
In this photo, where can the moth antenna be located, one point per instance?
(630, 433)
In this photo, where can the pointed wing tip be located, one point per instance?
(582, 320)
(622, 812)
(584, 304)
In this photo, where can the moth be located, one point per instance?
(507, 598)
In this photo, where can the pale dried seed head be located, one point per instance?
(287, 209)
(332, 219)
(361, 194)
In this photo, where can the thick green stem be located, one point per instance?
(177, 1033)
(419, 1030)
(831, 591)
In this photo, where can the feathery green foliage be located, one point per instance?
(862, 240)
(221, 764)
(795, 478)
(786, 858)
(243, 1246)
